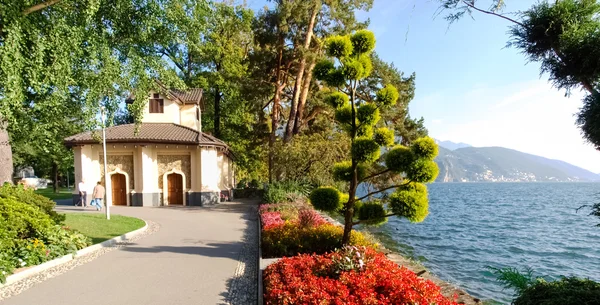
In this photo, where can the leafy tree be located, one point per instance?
(562, 35)
(358, 114)
(59, 55)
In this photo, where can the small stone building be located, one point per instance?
(168, 161)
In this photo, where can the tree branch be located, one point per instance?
(364, 220)
(374, 175)
(383, 190)
(40, 6)
(491, 13)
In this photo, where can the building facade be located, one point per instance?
(164, 160)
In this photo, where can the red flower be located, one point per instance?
(309, 279)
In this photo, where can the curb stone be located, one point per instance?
(13, 278)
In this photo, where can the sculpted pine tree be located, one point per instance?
(358, 113)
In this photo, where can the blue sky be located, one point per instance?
(470, 88)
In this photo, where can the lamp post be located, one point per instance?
(108, 199)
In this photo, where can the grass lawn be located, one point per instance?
(98, 228)
(64, 193)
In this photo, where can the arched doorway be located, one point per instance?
(119, 189)
(175, 189)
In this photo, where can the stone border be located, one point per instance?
(13, 278)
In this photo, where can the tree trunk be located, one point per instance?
(6, 162)
(55, 175)
(275, 111)
(349, 214)
(298, 121)
(217, 117)
(299, 77)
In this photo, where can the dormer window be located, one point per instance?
(156, 104)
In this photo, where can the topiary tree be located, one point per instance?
(358, 114)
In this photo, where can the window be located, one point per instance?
(197, 113)
(156, 104)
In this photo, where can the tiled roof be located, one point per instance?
(163, 133)
(190, 96)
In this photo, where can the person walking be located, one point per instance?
(82, 187)
(98, 196)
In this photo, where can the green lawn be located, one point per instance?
(63, 193)
(98, 228)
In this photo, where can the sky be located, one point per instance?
(470, 88)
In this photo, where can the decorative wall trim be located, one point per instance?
(109, 185)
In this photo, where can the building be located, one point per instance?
(168, 161)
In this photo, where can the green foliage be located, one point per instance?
(399, 159)
(290, 239)
(364, 131)
(325, 199)
(336, 78)
(285, 191)
(368, 114)
(365, 150)
(339, 46)
(363, 41)
(30, 197)
(531, 290)
(372, 213)
(29, 236)
(388, 95)
(566, 291)
(344, 115)
(384, 136)
(513, 278)
(588, 118)
(410, 201)
(353, 69)
(425, 148)
(322, 69)
(337, 99)
(310, 157)
(422, 171)
(367, 65)
(342, 171)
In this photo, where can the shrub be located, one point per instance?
(380, 281)
(290, 239)
(28, 236)
(326, 199)
(308, 218)
(566, 291)
(28, 196)
(286, 191)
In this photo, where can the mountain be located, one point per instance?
(497, 164)
(451, 145)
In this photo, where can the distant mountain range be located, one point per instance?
(460, 162)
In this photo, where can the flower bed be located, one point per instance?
(289, 230)
(348, 276)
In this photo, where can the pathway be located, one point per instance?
(198, 255)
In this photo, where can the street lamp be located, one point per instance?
(108, 199)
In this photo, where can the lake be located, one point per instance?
(474, 225)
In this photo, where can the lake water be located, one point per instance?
(474, 225)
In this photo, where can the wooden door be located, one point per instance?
(119, 189)
(175, 189)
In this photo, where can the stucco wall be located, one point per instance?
(167, 163)
(188, 117)
(170, 115)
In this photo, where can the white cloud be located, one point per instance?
(531, 117)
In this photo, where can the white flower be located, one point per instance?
(23, 264)
(361, 263)
(348, 259)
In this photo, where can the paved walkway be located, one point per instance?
(193, 258)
